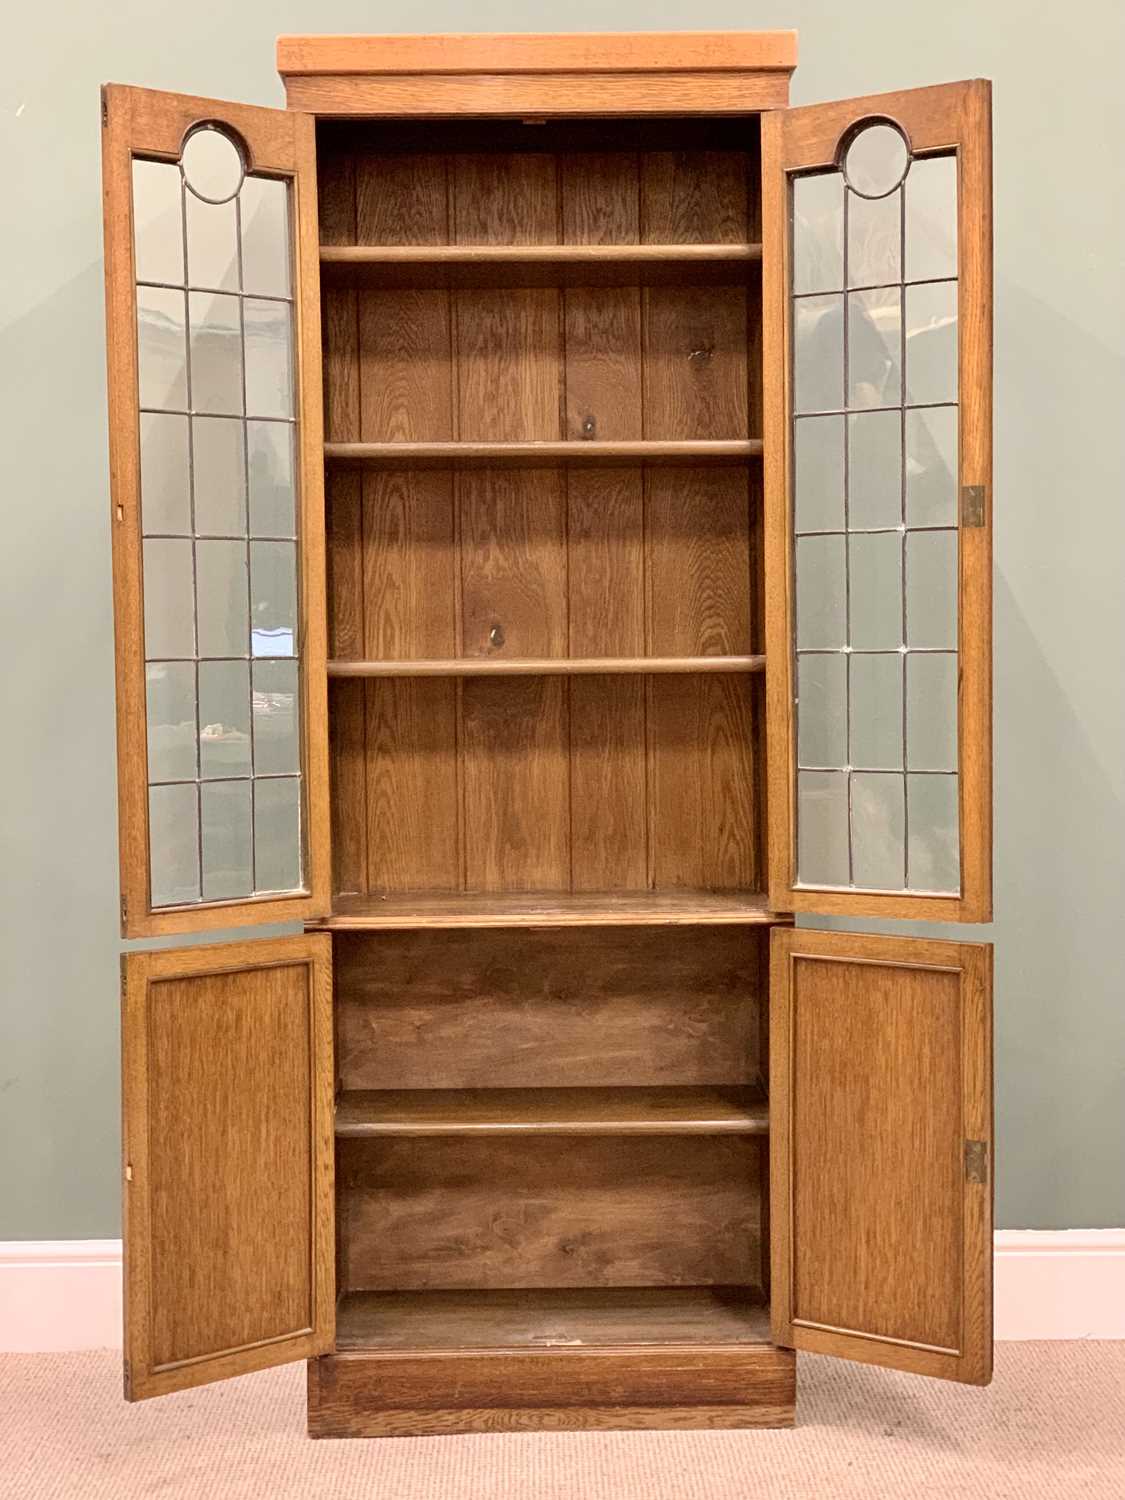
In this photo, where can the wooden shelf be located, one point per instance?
(552, 909)
(546, 666)
(552, 1317)
(535, 265)
(551, 1111)
(544, 454)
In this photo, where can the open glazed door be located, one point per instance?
(228, 1151)
(877, 259)
(880, 1147)
(216, 457)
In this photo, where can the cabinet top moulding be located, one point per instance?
(545, 76)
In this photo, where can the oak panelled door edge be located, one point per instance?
(805, 148)
(278, 673)
(880, 1150)
(228, 1160)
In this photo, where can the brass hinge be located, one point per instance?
(972, 504)
(976, 1161)
(105, 109)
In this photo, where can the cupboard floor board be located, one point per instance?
(551, 1317)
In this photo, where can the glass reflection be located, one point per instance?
(874, 240)
(822, 828)
(173, 824)
(224, 719)
(168, 599)
(876, 711)
(165, 491)
(821, 593)
(269, 359)
(212, 244)
(931, 466)
(273, 580)
(931, 342)
(277, 833)
(931, 218)
(161, 349)
(273, 497)
(219, 476)
(216, 352)
(818, 233)
(874, 469)
(934, 851)
(227, 836)
(170, 715)
(878, 831)
(875, 348)
(822, 738)
(265, 237)
(158, 228)
(223, 598)
(276, 740)
(818, 485)
(818, 355)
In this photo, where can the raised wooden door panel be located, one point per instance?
(228, 1160)
(881, 1144)
(217, 513)
(877, 278)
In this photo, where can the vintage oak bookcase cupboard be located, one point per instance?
(551, 536)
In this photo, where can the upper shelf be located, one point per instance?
(546, 666)
(539, 454)
(535, 265)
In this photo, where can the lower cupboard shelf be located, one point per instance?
(365, 1113)
(551, 1318)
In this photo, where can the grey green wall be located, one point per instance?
(1060, 544)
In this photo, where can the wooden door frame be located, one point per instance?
(972, 1361)
(139, 972)
(153, 124)
(957, 116)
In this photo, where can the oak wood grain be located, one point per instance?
(551, 1317)
(549, 1211)
(503, 52)
(882, 1243)
(589, 1005)
(387, 1393)
(516, 783)
(674, 907)
(145, 122)
(374, 1114)
(352, 266)
(539, 95)
(547, 666)
(948, 117)
(728, 451)
(227, 1146)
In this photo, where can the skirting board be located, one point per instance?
(1049, 1284)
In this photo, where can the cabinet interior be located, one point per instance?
(545, 706)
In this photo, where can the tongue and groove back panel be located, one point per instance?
(597, 783)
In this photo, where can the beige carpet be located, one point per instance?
(1051, 1425)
